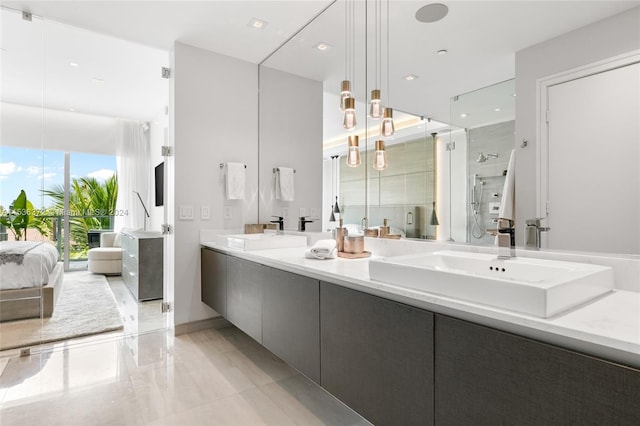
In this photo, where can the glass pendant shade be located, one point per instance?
(375, 111)
(345, 92)
(349, 122)
(380, 156)
(353, 155)
(387, 128)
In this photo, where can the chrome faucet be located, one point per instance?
(532, 233)
(302, 222)
(280, 223)
(506, 239)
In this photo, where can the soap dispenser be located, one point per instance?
(384, 229)
(341, 232)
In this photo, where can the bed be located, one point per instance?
(30, 279)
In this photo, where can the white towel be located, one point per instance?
(284, 184)
(322, 249)
(507, 203)
(235, 181)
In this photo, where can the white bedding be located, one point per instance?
(26, 263)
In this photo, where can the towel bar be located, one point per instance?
(277, 169)
(222, 165)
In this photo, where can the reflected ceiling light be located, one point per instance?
(410, 77)
(464, 115)
(497, 110)
(442, 52)
(73, 64)
(432, 13)
(322, 46)
(257, 23)
(98, 80)
(514, 95)
(380, 156)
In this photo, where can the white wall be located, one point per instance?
(215, 109)
(157, 134)
(291, 136)
(601, 40)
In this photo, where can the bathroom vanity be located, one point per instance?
(398, 357)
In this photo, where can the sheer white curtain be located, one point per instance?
(132, 162)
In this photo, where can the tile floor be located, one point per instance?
(211, 377)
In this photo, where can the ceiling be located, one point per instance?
(481, 37)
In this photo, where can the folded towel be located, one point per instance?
(507, 203)
(284, 184)
(322, 249)
(235, 181)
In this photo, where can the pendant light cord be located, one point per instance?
(388, 91)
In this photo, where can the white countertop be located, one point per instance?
(608, 327)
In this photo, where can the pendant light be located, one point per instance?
(336, 207)
(345, 93)
(353, 155)
(387, 128)
(380, 156)
(375, 111)
(349, 122)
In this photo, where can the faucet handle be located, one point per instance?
(504, 225)
(278, 217)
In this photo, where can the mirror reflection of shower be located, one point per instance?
(482, 158)
(476, 201)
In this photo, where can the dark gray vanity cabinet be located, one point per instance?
(213, 281)
(291, 320)
(489, 377)
(377, 356)
(244, 295)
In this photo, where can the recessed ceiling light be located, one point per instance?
(98, 80)
(497, 110)
(257, 23)
(442, 52)
(410, 77)
(73, 64)
(72, 109)
(464, 115)
(514, 95)
(322, 46)
(432, 12)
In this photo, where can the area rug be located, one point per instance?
(86, 306)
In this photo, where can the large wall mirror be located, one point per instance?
(453, 86)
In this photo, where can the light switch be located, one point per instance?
(227, 212)
(205, 213)
(186, 213)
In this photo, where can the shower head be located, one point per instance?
(482, 158)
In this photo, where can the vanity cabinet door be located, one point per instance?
(489, 377)
(377, 356)
(244, 295)
(291, 320)
(213, 280)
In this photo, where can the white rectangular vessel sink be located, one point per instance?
(536, 287)
(265, 241)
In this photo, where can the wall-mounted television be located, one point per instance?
(159, 173)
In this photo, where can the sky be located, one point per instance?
(36, 169)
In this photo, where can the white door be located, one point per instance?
(594, 162)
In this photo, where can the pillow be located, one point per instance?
(117, 241)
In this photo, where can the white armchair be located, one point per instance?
(106, 259)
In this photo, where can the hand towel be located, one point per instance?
(322, 249)
(235, 181)
(284, 184)
(507, 203)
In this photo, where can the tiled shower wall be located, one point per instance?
(494, 139)
(402, 193)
